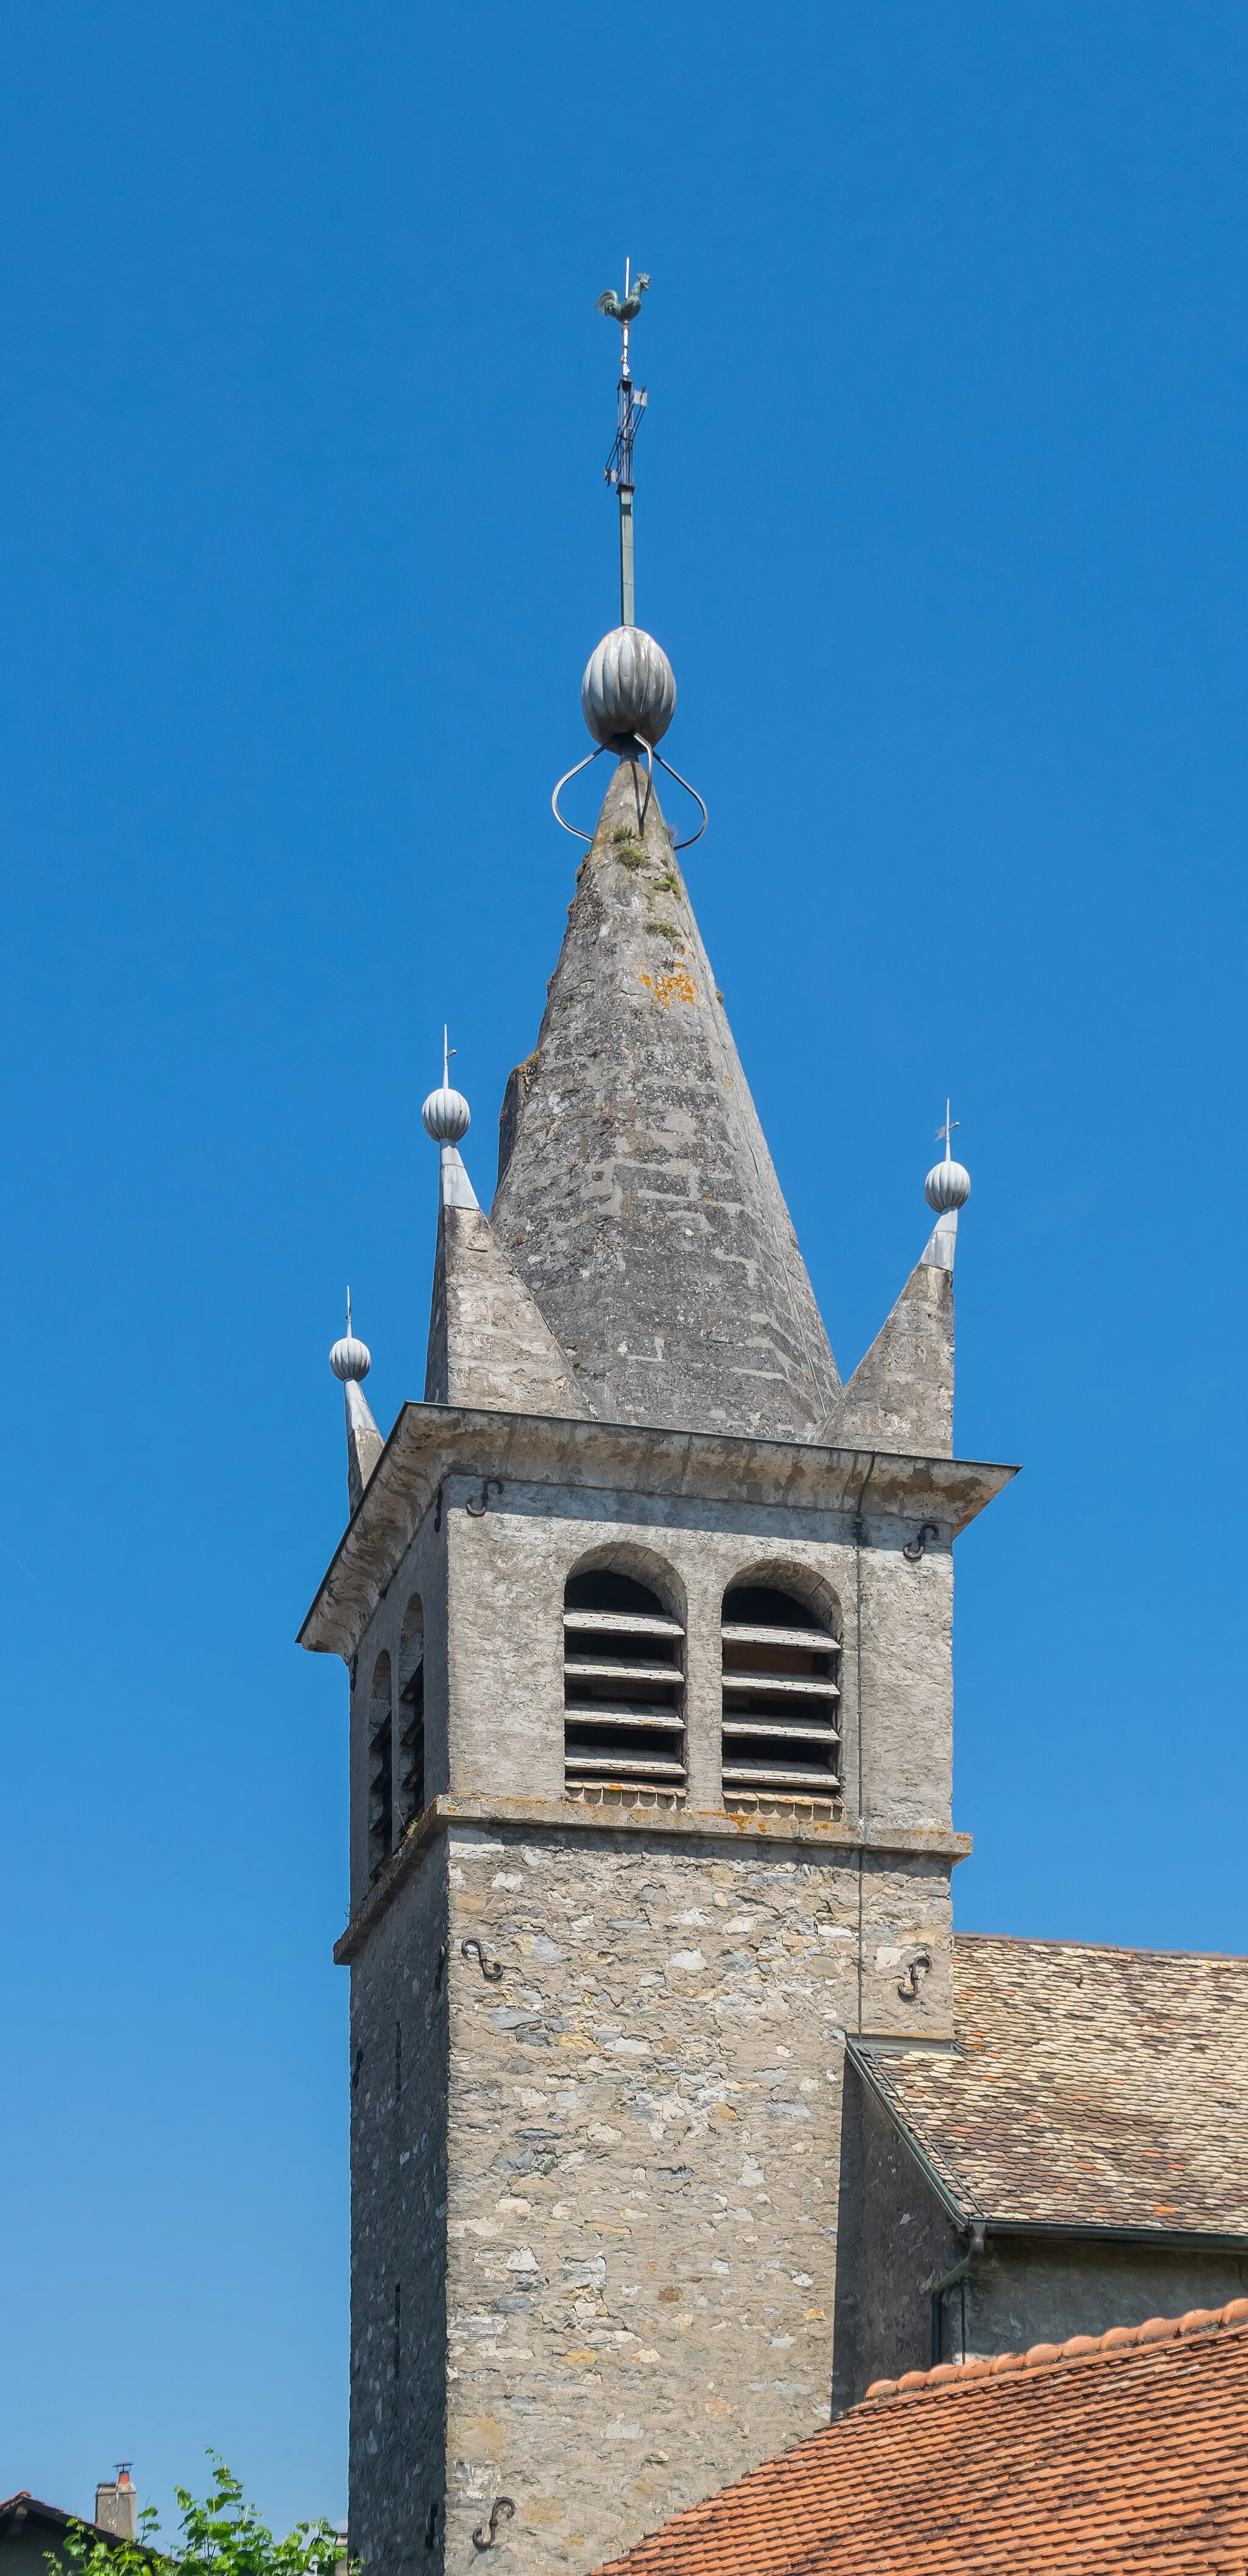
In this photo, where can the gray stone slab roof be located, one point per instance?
(637, 1198)
(1089, 2088)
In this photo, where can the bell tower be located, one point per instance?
(648, 1623)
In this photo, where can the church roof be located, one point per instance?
(1110, 2456)
(1089, 2087)
(636, 1195)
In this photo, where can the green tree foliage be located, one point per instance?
(219, 2535)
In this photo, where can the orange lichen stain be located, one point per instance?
(663, 990)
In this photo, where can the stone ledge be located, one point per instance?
(883, 1493)
(711, 1824)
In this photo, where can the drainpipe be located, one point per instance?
(960, 2272)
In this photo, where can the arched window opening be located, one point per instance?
(623, 1687)
(380, 1769)
(781, 1663)
(412, 1711)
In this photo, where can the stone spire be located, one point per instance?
(351, 1360)
(488, 1345)
(636, 1195)
(900, 1396)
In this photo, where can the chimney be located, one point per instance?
(117, 2504)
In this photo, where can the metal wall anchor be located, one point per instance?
(908, 1986)
(917, 1547)
(502, 2504)
(476, 1511)
(491, 1969)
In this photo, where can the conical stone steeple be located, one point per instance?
(636, 1196)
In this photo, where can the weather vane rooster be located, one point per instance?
(623, 308)
(628, 309)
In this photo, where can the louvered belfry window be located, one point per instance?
(412, 1711)
(623, 1687)
(781, 1736)
(380, 1769)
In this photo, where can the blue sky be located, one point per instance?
(303, 407)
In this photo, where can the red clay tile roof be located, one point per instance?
(1127, 2454)
(1091, 2086)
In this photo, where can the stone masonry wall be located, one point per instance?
(399, 2050)
(644, 2137)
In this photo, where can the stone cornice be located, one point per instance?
(433, 1442)
(567, 1815)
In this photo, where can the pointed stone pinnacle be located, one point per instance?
(488, 1345)
(900, 1396)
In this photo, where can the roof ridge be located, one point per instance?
(1115, 1949)
(1039, 2356)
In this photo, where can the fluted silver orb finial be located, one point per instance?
(350, 1358)
(446, 1114)
(629, 688)
(948, 1184)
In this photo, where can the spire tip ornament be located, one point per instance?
(350, 1358)
(446, 1115)
(629, 689)
(948, 1184)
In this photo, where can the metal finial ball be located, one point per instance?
(948, 1185)
(446, 1115)
(629, 688)
(350, 1358)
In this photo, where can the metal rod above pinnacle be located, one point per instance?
(630, 403)
(945, 1134)
(627, 601)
